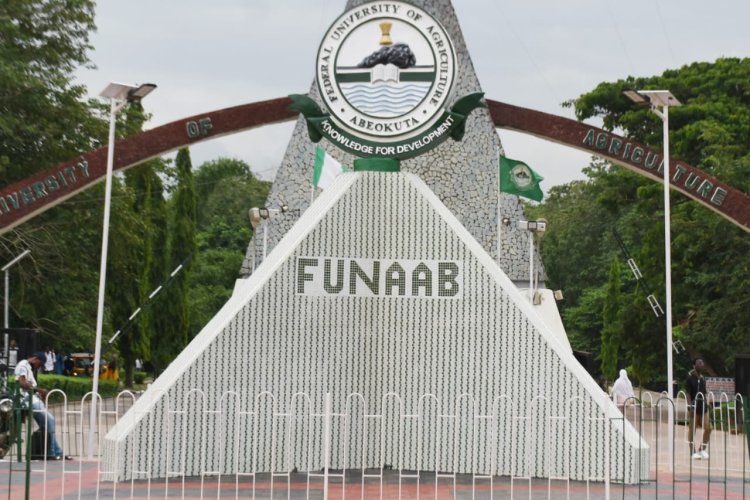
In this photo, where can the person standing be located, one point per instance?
(49, 364)
(44, 419)
(59, 364)
(622, 390)
(698, 409)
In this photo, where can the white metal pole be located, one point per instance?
(265, 238)
(255, 250)
(499, 202)
(326, 443)
(607, 444)
(531, 266)
(102, 273)
(7, 293)
(668, 283)
(5, 321)
(499, 228)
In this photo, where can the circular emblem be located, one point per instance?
(385, 71)
(521, 177)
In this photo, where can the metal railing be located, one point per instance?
(724, 474)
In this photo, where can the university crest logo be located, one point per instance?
(385, 71)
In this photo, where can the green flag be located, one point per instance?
(517, 178)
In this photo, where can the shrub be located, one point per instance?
(76, 387)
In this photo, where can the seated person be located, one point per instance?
(27, 381)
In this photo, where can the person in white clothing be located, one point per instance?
(622, 391)
(49, 364)
(27, 382)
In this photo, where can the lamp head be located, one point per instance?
(126, 92)
(254, 214)
(636, 97)
(653, 98)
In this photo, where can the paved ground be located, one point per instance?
(69, 479)
(725, 475)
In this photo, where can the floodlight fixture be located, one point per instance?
(141, 91)
(541, 227)
(124, 92)
(117, 91)
(636, 97)
(533, 226)
(660, 98)
(254, 214)
(653, 98)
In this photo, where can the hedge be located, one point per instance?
(75, 388)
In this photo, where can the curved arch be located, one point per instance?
(25, 199)
(694, 183)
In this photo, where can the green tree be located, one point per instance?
(709, 265)
(173, 331)
(612, 325)
(148, 222)
(226, 189)
(643, 341)
(45, 120)
(149, 207)
(124, 262)
(577, 250)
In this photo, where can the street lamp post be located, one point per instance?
(5, 269)
(257, 214)
(663, 99)
(534, 227)
(119, 95)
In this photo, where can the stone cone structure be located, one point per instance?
(464, 175)
(474, 349)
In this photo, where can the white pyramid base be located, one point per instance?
(506, 395)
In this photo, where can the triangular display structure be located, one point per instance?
(444, 367)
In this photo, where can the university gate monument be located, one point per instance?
(388, 325)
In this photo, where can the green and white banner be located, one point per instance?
(326, 169)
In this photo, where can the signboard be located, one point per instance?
(344, 277)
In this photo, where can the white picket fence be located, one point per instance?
(727, 469)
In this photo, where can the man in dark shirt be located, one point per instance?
(698, 409)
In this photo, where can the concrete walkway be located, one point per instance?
(78, 480)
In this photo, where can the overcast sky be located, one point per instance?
(208, 55)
